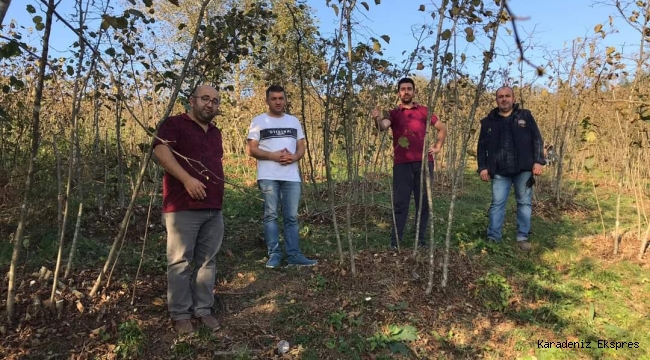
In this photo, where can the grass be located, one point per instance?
(561, 291)
(499, 302)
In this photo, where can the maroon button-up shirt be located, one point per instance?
(409, 129)
(190, 140)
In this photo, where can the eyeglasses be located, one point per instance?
(206, 99)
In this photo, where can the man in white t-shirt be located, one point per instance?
(276, 140)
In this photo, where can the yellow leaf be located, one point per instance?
(376, 46)
(158, 302)
(591, 136)
(598, 28)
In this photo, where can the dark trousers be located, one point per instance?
(406, 181)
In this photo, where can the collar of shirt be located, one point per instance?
(187, 117)
(415, 106)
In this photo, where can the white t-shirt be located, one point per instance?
(276, 134)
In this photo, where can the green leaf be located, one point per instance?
(110, 51)
(175, 2)
(31, 9)
(386, 38)
(170, 75)
(10, 49)
(128, 49)
(147, 3)
(69, 70)
(403, 142)
(445, 34)
(377, 2)
(407, 333)
(365, 5)
(592, 312)
(182, 26)
(39, 26)
(336, 9)
(18, 84)
(37, 19)
(398, 347)
(421, 8)
(589, 163)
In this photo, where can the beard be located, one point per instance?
(205, 116)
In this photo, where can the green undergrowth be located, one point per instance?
(561, 291)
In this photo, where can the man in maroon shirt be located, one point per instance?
(189, 148)
(408, 122)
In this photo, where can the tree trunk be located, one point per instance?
(36, 116)
(349, 134)
(146, 231)
(120, 161)
(456, 181)
(59, 187)
(4, 7)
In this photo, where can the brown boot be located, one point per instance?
(210, 322)
(183, 326)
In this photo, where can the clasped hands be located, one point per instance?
(284, 157)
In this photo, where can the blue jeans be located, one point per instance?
(287, 193)
(501, 185)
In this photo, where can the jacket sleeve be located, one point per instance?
(482, 147)
(538, 142)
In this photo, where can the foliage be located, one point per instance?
(494, 291)
(130, 340)
(394, 337)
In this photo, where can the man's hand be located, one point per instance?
(195, 188)
(278, 156)
(537, 169)
(376, 114)
(434, 149)
(287, 158)
(485, 176)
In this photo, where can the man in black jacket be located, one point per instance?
(510, 151)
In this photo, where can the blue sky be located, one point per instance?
(552, 23)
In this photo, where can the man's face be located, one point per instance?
(505, 100)
(406, 93)
(205, 104)
(276, 102)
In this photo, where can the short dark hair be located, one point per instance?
(274, 88)
(405, 81)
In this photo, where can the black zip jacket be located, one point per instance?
(529, 144)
